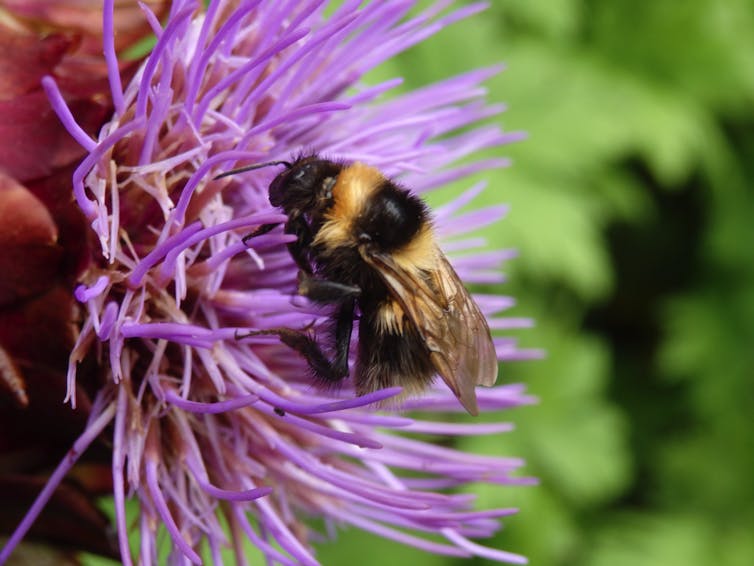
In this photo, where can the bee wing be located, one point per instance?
(449, 322)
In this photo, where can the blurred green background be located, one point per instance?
(634, 216)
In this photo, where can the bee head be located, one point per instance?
(305, 186)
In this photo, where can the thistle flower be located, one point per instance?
(220, 438)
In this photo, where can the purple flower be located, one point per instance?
(220, 438)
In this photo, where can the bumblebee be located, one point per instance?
(365, 245)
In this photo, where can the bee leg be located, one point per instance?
(329, 292)
(325, 370)
(299, 227)
(343, 329)
(299, 249)
(258, 231)
(324, 291)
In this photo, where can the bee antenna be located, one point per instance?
(288, 165)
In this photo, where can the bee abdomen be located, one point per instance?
(391, 355)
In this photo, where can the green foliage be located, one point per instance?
(652, 540)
